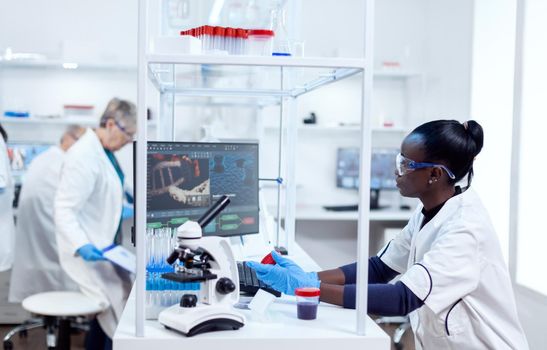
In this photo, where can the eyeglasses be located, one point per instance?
(405, 166)
(128, 135)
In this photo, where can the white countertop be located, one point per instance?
(335, 327)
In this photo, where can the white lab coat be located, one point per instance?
(36, 267)
(7, 228)
(454, 264)
(88, 207)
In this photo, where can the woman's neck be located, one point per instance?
(438, 196)
(101, 134)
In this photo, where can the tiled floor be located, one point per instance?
(36, 339)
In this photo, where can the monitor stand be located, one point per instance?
(374, 199)
(374, 203)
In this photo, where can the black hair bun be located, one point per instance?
(474, 130)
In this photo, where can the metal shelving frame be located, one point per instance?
(158, 70)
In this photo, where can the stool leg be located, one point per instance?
(64, 334)
(51, 338)
(8, 344)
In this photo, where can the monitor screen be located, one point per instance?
(382, 168)
(185, 179)
(21, 155)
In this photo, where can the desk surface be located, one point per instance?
(333, 328)
(309, 212)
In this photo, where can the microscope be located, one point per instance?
(209, 261)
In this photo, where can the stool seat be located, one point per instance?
(61, 304)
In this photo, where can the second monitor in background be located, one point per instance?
(382, 175)
(185, 179)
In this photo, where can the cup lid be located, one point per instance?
(307, 292)
(264, 32)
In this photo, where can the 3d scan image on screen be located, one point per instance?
(184, 179)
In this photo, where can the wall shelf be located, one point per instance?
(396, 74)
(67, 65)
(85, 121)
(339, 128)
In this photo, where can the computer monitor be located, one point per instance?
(382, 168)
(21, 155)
(186, 178)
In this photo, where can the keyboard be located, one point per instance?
(353, 207)
(249, 283)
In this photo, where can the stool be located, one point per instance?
(56, 309)
(404, 325)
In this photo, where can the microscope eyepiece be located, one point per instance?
(212, 212)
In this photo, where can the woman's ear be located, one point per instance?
(435, 174)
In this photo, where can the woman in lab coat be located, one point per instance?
(6, 203)
(454, 285)
(35, 226)
(88, 211)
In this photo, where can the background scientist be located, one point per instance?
(35, 231)
(6, 201)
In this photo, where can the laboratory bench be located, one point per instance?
(335, 327)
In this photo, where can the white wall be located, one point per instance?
(448, 61)
(528, 238)
(42, 26)
(492, 106)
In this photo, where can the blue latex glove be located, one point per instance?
(127, 212)
(90, 253)
(285, 276)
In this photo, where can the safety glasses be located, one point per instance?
(405, 166)
(129, 136)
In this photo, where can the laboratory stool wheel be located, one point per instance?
(59, 313)
(8, 345)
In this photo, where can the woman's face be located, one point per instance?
(119, 135)
(416, 182)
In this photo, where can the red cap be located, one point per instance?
(307, 292)
(241, 33)
(268, 259)
(220, 31)
(208, 30)
(231, 32)
(264, 32)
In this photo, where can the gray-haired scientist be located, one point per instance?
(88, 215)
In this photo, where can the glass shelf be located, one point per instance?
(246, 76)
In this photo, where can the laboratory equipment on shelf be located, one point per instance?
(234, 41)
(209, 261)
(260, 42)
(215, 39)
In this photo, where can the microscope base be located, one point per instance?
(201, 319)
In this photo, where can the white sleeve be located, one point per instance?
(4, 165)
(448, 272)
(3, 175)
(75, 187)
(396, 252)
